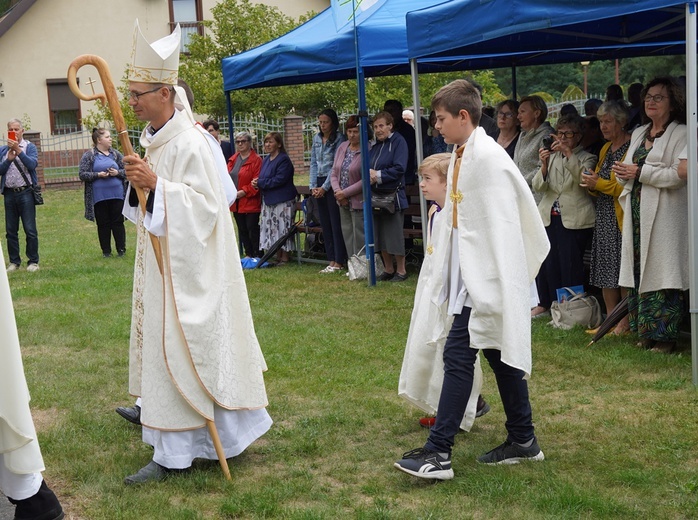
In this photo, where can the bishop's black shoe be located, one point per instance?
(130, 413)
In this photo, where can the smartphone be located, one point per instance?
(588, 172)
(547, 143)
(11, 135)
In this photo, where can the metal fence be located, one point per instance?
(60, 154)
(257, 127)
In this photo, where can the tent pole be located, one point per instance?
(513, 82)
(366, 177)
(420, 147)
(365, 166)
(692, 149)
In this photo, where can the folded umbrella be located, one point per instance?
(278, 244)
(619, 312)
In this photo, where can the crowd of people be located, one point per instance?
(589, 189)
(265, 206)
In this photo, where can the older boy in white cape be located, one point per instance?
(194, 353)
(497, 244)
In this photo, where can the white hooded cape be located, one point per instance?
(18, 443)
(502, 244)
(422, 371)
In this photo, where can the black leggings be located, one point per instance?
(110, 221)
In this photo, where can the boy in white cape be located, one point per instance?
(495, 243)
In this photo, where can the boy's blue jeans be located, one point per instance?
(20, 205)
(459, 367)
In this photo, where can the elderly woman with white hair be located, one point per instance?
(244, 166)
(602, 183)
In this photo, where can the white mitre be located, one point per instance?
(156, 62)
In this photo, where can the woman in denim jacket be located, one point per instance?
(325, 144)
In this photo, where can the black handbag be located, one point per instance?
(383, 201)
(36, 189)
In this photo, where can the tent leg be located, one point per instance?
(692, 149)
(420, 148)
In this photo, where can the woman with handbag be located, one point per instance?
(654, 257)
(102, 170)
(602, 184)
(388, 163)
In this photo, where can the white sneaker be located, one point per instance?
(32, 267)
(12, 267)
(330, 269)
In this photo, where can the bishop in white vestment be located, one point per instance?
(194, 355)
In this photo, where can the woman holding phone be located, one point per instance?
(102, 170)
(565, 207)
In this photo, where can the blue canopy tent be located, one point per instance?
(560, 31)
(549, 31)
(319, 50)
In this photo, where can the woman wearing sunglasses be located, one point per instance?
(244, 166)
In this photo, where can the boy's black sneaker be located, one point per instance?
(423, 463)
(512, 453)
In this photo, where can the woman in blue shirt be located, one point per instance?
(102, 170)
(325, 144)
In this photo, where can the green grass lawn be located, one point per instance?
(617, 425)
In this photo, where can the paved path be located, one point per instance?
(7, 510)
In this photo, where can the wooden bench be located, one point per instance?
(412, 230)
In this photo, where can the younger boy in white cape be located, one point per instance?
(495, 244)
(422, 371)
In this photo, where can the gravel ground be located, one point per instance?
(7, 510)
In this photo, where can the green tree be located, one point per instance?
(642, 70)
(237, 26)
(100, 116)
(556, 78)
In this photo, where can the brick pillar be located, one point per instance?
(293, 140)
(35, 137)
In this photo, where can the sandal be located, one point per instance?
(646, 343)
(664, 347)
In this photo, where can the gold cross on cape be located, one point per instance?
(456, 196)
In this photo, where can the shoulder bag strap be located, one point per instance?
(21, 171)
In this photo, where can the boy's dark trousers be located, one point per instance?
(459, 367)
